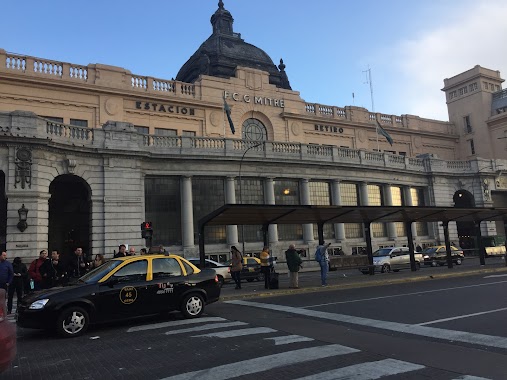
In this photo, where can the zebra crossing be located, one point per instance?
(222, 328)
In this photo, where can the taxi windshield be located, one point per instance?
(97, 273)
(382, 252)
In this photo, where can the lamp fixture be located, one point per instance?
(23, 216)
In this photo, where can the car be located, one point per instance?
(251, 269)
(223, 270)
(437, 255)
(122, 288)
(7, 336)
(392, 259)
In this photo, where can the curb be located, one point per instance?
(358, 284)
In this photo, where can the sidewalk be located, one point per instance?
(309, 280)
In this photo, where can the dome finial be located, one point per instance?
(221, 4)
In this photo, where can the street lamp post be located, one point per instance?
(241, 192)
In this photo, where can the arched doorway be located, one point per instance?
(3, 213)
(69, 214)
(466, 230)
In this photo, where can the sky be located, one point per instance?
(328, 46)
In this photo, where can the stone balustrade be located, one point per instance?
(116, 137)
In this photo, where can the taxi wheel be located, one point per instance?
(192, 306)
(72, 322)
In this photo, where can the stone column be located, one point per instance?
(305, 200)
(407, 195)
(336, 200)
(363, 194)
(391, 227)
(187, 215)
(269, 195)
(230, 198)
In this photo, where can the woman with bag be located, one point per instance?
(236, 266)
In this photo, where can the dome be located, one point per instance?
(224, 50)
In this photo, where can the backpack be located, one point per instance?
(318, 255)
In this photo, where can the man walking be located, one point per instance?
(294, 264)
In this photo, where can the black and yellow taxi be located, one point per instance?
(122, 288)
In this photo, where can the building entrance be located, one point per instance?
(69, 214)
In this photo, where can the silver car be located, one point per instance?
(223, 271)
(393, 259)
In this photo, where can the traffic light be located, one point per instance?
(146, 230)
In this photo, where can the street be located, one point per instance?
(448, 327)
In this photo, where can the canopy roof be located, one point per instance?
(249, 214)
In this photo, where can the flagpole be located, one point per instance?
(373, 104)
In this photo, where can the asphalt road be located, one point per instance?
(437, 323)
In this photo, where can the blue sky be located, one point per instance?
(410, 46)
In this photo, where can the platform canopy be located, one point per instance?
(250, 214)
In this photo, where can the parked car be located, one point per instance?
(392, 259)
(251, 269)
(223, 270)
(122, 288)
(437, 255)
(7, 336)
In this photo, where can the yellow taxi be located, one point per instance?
(122, 288)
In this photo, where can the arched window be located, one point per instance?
(254, 130)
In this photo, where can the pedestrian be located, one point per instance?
(20, 273)
(77, 265)
(144, 251)
(323, 262)
(132, 251)
(266, 266)
(98, 260)
(53, 271)
(294, 264)
(34, 270)
(236, 266)
(121, 251)
(6, 272)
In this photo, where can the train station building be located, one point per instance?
(89, 152)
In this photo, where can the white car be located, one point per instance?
(393, 259)
(223, 271)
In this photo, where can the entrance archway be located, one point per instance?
(466, 230)
(69, 214)
(3, 213)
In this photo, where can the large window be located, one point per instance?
(251, 192)
(163, 208)
(320, 195)
(375, 199)
(349, 197)
(287, 193)
(208, 194)
(165, 132)
(397, 198)
(418, 200)
(253, 129)
(79, 123)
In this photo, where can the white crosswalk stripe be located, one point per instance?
(288, 339)
(236, 333)
(265, 363)
(210, 326)
(367, 371)
(467, 377)
(183, 322)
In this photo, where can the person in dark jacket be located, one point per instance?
(6, 272)
(53, 271)
(18, 282)
(76, 265)
(122, 251)
(294, 264)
